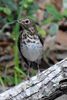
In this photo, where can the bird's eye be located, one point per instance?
(27, 21)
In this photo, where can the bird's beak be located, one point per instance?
(19, 21)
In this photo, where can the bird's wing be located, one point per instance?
(19, 47)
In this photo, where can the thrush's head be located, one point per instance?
(29, 25)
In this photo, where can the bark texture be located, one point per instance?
(47, 85)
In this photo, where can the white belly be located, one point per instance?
(32, 51)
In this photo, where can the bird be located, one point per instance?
(30, 44)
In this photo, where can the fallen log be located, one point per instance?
(47, 85)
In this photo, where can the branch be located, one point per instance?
(48, 84)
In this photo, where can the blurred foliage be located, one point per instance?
(41, 32)
(8, 3)
(65, 12)
(12, 10)
(53, 11)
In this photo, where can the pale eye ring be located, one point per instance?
(27, 21)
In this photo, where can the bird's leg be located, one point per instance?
(38, 68)
(38, 65)
(38, 71)
(29, 70)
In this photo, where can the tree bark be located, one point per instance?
(47, 85)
